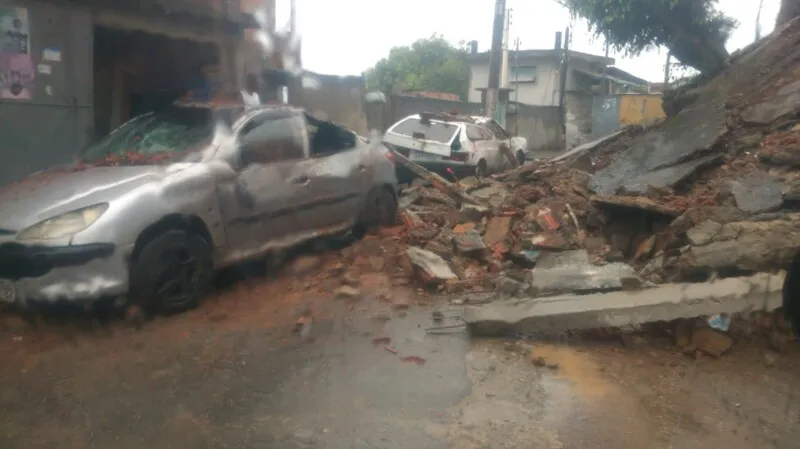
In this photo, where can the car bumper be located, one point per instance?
(30, 274)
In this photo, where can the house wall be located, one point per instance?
(542, 92)
(578, 118)
(253, 60)
(538, 124)
(640, 109)
(339, 99)
(53, 118)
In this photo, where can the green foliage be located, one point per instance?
(427, 64)
(693, 30)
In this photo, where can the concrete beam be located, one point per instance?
(667, 302)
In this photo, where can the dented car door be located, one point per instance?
(260, 207)
(338, 168)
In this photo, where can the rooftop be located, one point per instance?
(550, 53)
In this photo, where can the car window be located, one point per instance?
(435, 131)
(326, 138)
(474, 133)
(268, 139)
(154, 137)
(497, 130)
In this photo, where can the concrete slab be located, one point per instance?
(757, 192)
(668, 176)
(681, 138)
(570, 271)
(668, 302)
(588, 146)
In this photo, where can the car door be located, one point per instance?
(486, 145)
(480, 146)
(260, 206)
(503, 138)
(340, 173)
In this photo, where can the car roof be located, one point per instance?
(451, 117)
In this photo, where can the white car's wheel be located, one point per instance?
(520, 156)
(482, 170)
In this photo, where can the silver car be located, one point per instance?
(129, 225)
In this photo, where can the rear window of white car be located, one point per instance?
(434, 131)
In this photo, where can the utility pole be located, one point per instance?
(666, 70)
(516, 85)
(758, 20)
(504, 66)
(495, 59)
(606, 84)
(502, 100)
(562, 94)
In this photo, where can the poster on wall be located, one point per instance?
(17, 70)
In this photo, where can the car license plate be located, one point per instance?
(7, 292)
(423, 156)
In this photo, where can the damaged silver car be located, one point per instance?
(169, 197)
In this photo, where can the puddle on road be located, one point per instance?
(576, 366)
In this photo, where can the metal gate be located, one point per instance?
(50, 122)
(605, 115)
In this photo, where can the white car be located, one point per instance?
(462, 145)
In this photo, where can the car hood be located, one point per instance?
(51, 193)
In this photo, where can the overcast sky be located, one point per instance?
(345, 37)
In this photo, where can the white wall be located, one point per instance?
(542, 92)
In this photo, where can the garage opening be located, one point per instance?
(137, 72)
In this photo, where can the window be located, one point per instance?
(325, 138)
(497, 130)
(435, 131)
(267, 139)
(153, 137)
(523, 74)
(475, 133)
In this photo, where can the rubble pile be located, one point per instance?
(711, 191)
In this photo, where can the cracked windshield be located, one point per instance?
(520, 224)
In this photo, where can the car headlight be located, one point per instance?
(64, 225)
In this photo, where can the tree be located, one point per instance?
(693, 30)
(427, 64)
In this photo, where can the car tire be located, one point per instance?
(172, 272)
(520, 156)
(380, 209)
(482, 170)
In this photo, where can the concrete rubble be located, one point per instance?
(665, 302)
(615, 231)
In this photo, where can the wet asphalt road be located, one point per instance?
(233, 375)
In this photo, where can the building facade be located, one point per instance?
(535, 78)
(72, 71)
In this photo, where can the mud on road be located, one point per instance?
(235, 374)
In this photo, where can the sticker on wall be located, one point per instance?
(44, 69)
(51, 54)
(16, 65)
(48, 90)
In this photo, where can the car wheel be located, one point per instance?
(520, 157)
(380, 209)
(172, 272)
(482, 170)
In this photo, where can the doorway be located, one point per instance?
(137, 72)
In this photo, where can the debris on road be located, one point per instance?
(710, 191)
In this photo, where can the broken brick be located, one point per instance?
(469, 243)
(496, 230)
(546, 220)
(711, 342)
(411, 220)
